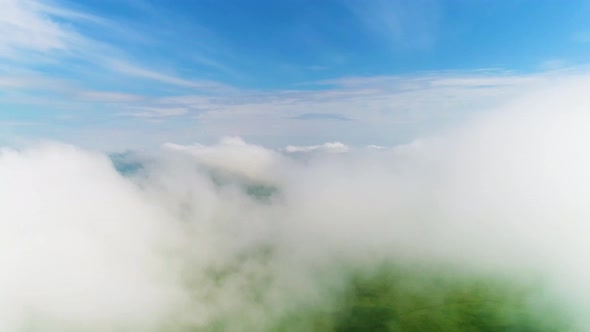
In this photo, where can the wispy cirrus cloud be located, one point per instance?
(358, 110)
(155, 112)
(109, 97)
(49, 39)
(142, 72)
(160, 76)
(401, 24)
(28, 25)
(383, 110)
(321, 116)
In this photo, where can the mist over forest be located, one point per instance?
(482, 228)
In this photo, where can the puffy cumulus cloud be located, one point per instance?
(233, 155)
(233, 235)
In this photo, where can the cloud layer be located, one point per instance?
(190, 230)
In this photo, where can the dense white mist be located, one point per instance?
(78, 242)
(85, 247)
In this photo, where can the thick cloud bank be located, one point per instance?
(191, 235)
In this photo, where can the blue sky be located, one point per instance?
(122, 74)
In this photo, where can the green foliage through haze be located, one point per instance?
(413, 300)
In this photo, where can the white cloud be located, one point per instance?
(330, 147)
(402, 24)
(41, 39)
(154, 112)
(109, 96)
(133, 70)
(62, 264)
(232, 154)
(27, 25)
(504, 194)
(380, 110)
